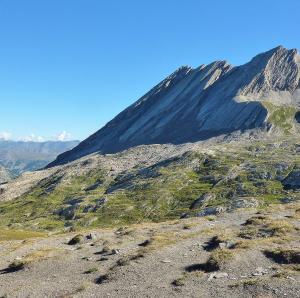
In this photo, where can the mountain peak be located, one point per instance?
(195, 104)
(275, 70)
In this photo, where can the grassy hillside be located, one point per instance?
(231, 174)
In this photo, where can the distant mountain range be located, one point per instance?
(195, 104)
(17, 157)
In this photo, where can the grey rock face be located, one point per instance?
(292, 181)
(202, 200)
(197, 104)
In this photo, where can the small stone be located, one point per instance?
(221, 275)
(91, 236)
(115, 251)
(260, 271)
(218, 275)
(226, 244)
(166, 261)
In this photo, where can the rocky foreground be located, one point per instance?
(247, 253)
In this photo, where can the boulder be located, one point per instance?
(244, 203)
(287, 200)
(78, 239)
(211, 211)
(202, 200)
(68, 212)
(292, 181)
(94, 207)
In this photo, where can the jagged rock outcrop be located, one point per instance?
(197, 104)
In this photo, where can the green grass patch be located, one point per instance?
(7, 235)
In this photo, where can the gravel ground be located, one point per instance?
(56, 269)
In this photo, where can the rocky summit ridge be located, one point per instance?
(195, 104)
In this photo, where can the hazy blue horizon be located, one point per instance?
(68, 67)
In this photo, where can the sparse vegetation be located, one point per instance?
(7, 235)
(91, 270)
(262, 226)
(218, 259)
(164, 191)
(245, 283)
(17, 265)
(281, 116)
(179, 282)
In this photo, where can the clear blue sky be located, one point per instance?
(71, 65)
